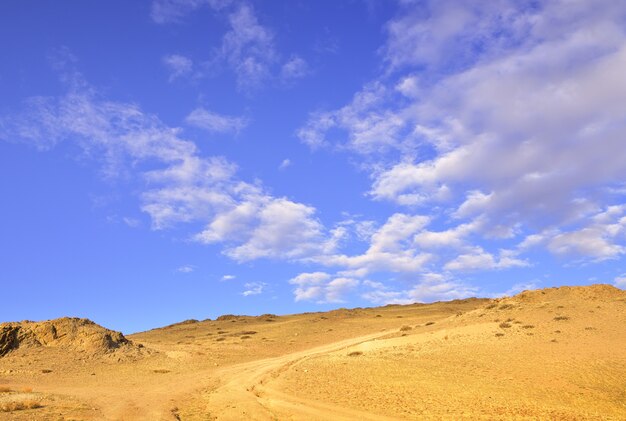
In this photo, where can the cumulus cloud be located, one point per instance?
(428, 287)
(322, 287)
(182, 186)
(214, 122)
(500, 113)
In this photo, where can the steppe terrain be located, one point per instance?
(557, 353)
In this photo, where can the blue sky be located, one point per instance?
(180, 159)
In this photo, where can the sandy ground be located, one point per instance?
(548, 354)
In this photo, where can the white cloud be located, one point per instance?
(478, 259)
(131, 222)
(390, 249)
(294, 68)
(169, 11)
(620, 281)
(284, 164)
(520, 112)
(178, 66)
(322, 287)
(254, 288)
(248, 48)
(182, 186)
(228, 277)
(214, 122)
(185, 269)
(430, 287)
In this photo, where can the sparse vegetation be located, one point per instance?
(161, 371)
(248, 332)
(405, 328)
(528, 327)
(490, 306)
(219, 339)
(558, 318)
(19, 406)
(506, 306)
(429, 323)
(46, 371)
(245, 337)
(355, 354)
(499, 334)
(590, 328)
(504, 325)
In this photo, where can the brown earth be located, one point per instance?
(558, 353)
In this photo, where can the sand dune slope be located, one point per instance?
(557, 353)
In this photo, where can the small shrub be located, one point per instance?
(19, 406)
(355, 354)
(430, 323)
(558, 318)
(378, 315)
(405, 328)
(590, 328)
(490, 306)
(399, 317)
(46, 371)
(219, 339)
(553, 340)
(245, 337)
(528, 327)
(506, 306)
(161, 371)
(499, 334)
(504, 325)
(249, 332)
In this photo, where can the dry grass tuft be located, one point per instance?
(161, 371)
(245, 337)
(355, 354)
(528, 327)
(405, 328)
(504, 325)
(506, 306)
(19, 406)
(429, 323)
(557, 318)
(499, 334)
(490, 306)
(46, 371)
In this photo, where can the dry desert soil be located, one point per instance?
(556, 353)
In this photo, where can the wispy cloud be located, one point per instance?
(254, 288)
(178, 66)
(182, 186)
(228, 277)
(284, 164)
(186, 269)
(173, 11)
(214, 122)
(248, 47)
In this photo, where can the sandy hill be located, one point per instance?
(69, 334)
(556, 353)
